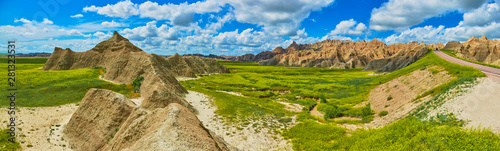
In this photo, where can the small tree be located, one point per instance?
(137, 83)
(322, 99)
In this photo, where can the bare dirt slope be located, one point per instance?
(244, 138)
(479, 106)
(397, 96)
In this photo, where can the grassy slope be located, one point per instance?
(342, 88)
(453, 54)
(51, 88)
(5, 144)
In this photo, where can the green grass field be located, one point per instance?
(51, 88)
(340, 90)
(5, 144)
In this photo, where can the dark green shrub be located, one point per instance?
(383, 113)
(137, 83)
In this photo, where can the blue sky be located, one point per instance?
(237, 27)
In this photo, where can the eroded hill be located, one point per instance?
(477, 49)
(107, 120)
(343, 54)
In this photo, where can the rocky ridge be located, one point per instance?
(477, 49)
(190, 66)
(345, 54)
(106, 120)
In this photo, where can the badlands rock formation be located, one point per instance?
(400, 60)
(189, 66)
(107, 120)
(477, 49)
(345, 54)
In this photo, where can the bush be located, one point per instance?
(366, 111)
(389, 97)
(137, 83)
(382, 113)
(322, 99)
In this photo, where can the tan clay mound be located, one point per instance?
(193, 65)
(338, 53)
(107, 120)
(477, 49)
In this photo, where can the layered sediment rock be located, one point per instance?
(402, 59)
(190, 66)
(340, 54)
(477, 49)
(106, 120)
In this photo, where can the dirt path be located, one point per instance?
(42, 126)
(315, 111)
(492, 73)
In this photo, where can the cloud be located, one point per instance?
(74, 32)
(349, 27)
(402, 14)
(102, 35)
(215, 26)
(76, 16)
(141, 33)
(281, 18)
(47, 21)
(277, 17)
(122, 9)
(430, 34)
(486, 14)
(182, 14)
(111, 24)
(23, 21)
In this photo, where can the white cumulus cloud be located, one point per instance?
(485, 14)
(123, 9)
(402, 14)
(111, 24)
(349, 27)
(76, 16)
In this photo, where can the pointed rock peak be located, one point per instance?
(278, 50)
(375, 41)
(117, 37)
(294, 46)
(177, 55)
(115, 43)
(484, 37)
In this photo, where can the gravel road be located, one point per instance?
(492, 73)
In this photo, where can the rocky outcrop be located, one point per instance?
(107, 120)
(339, 54)
(99, 113)
(125, 62)
(477, 49)
(402, 59)
(266, 54)
(190, 66)
(163, 121)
